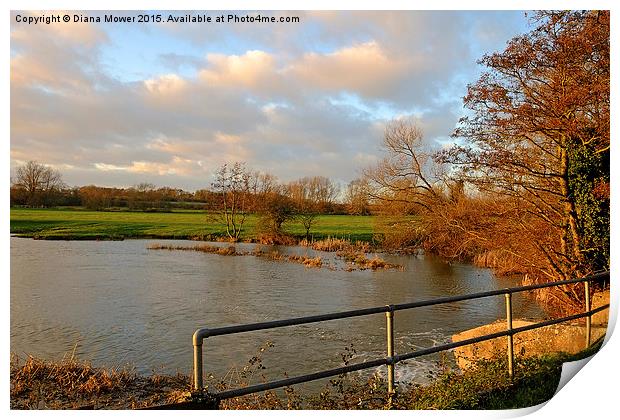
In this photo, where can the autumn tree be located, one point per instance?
(232, 184)
(276, 209)
(95, 198)
(39, 183)
(537, 132)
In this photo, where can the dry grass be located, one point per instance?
(558, 301)
(70, 384)
(77, 377)
(232, 251)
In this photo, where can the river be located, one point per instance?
(117, 303)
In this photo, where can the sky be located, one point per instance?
(117, 104)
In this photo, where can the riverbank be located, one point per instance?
(70, 384)
(80, 224)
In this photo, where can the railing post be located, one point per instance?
(511, 357)
(588, 318)
(197, 341)
(390, 349)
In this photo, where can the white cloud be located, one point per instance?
(247, 70)
(166, 85)
(364, 68)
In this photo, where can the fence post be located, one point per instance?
(390, 349)
(588, 318)
(511, 356)
(197, 341)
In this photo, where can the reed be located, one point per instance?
(229, 250)
(335, 244)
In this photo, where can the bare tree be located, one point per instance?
(357, 197)
(408, 176)
(306, 208)
(323, 191)
(311, 196)
(232, 183)
(39, 182)
(261, 185)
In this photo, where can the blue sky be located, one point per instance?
(119, 104)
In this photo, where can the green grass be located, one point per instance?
(72, 223)
(487, 386)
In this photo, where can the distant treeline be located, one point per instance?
(103, 198)
(38, 186)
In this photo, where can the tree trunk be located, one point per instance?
(570, 229)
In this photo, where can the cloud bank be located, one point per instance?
(117, 105)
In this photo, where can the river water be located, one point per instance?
(117, 303)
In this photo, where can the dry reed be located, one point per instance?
(360, 261)
(336, 244)
(70, 383)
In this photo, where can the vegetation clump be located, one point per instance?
(279, 238)
(300, 259)
(362, 262)
(312, 262)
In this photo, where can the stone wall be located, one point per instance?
(559, 338)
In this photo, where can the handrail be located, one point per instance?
(391, 359)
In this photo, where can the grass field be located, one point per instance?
(84, 224)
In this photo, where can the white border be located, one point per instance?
(592, 394)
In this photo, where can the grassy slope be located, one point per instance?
(83, 224)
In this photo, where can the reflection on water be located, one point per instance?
(118, 303)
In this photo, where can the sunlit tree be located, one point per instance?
(537, 131)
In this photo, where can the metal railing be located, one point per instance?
(391, 358)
